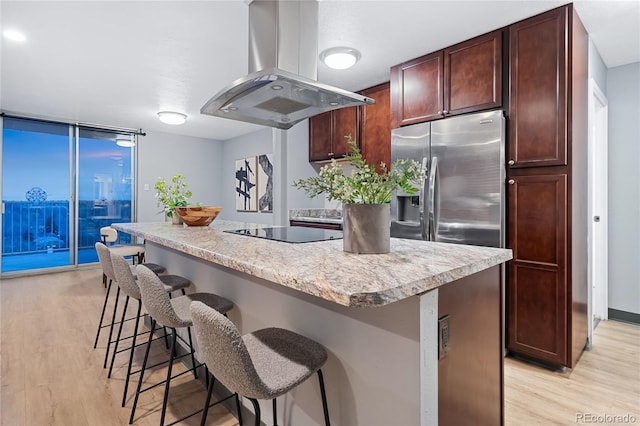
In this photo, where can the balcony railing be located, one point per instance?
(43, 227)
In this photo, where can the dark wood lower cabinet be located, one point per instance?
(470, 374)
(321, 225)
(537, 305)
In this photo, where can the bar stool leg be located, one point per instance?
(239, 409)
(325, 408)
(113, 318)
(144, 365)
(104, 307)
(193, 359)
(115, 348)
(256, 409)
(168, 382)
(133, 347)
(207, 401)
(275, 413)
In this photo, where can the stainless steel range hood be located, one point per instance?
(281, 88)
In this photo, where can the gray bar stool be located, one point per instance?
(172, 313)
(126, 280)
(171, 282)
(264, 364)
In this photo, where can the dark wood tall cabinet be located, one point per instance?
(375, 129)
(547, 187)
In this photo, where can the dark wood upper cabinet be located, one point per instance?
(327, 133)
(473, 74)
(462, 78)
(538, 91)
(416, 90)
(370, 127)
(375, 128)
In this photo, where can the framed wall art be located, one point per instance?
(246, 185)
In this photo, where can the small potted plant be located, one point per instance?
(365, 196)
(171, 195)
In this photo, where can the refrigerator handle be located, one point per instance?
(432, 198)
(424, 230)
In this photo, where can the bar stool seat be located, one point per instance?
(264, 364)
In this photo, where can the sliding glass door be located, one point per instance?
(60, 184)
(36, 195)
(105, 186)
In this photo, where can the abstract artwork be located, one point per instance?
(246, 191)
(265, 183)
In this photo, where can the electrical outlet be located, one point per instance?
(146, 186)
(443, 336)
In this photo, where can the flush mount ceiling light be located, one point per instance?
(14, 35)
(170, 117)
(125, 141)
(340, 58)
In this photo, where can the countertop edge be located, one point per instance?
(333, 294)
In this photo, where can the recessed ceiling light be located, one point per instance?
(125, 141)
(340, 58)
(170, 117)
(14, 35)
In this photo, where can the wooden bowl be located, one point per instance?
(198, 215)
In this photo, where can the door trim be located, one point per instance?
(598, 206)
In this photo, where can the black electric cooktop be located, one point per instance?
(290, 234)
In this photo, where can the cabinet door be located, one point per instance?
(345, 122)
(538, 91)
(473, 75)
(375, 136)
(320, 138)
(416, 90)
(537, 286)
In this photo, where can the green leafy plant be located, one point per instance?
(173, 194)
(364, 185)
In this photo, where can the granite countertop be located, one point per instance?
(332, 216)
(322, 268)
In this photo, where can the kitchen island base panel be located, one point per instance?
(372, 376)
(383, 362)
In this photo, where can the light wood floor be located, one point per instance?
(51, 375)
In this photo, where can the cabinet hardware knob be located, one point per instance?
(511, 162)
(511, 181)
(330, 154)
(445, 112)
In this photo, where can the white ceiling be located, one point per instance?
(120, 62)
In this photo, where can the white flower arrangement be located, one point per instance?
(364, 185)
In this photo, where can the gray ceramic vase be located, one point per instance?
(366, 228)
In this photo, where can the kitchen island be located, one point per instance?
(376, 314)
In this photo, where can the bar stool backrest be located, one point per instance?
(108, 234)
(225, 353)
(104, 256)
(156, 299)
(125, 278)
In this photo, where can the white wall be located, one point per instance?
(164, 154)
(249, 145)
(597, 68)
(623, 94)
(261, 142)
(298, 167)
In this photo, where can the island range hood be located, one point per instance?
(281, 88)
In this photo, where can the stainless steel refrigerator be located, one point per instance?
(462, 198)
